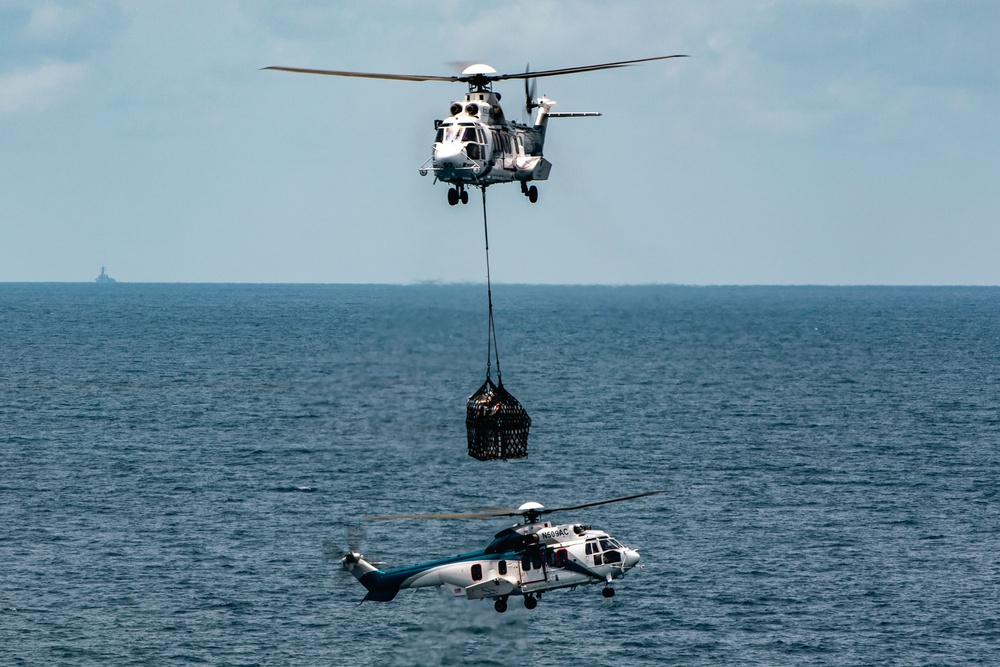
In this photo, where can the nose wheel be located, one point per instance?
(456, 195)
(608, 592)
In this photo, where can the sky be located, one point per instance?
(835, 142)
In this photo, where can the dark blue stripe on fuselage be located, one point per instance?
(383, 586)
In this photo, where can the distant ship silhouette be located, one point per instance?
(105, 278)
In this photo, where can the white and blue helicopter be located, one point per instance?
(526, 559)
(476, 145)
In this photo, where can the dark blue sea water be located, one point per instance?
(174, 456)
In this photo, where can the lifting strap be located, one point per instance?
(491, 334)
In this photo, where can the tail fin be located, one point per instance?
(544, 105)
(370, 577)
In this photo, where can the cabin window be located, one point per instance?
(598, 560)
(502, 567)
(477, 572)
(562, 557)
(525, 562)
(550, 557)
(536, 561)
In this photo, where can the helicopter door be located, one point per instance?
(594, 553)
(532, 568)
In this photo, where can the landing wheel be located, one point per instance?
(452, 196)
(530, 602)
(500, 605)
(608, 592)
(532, 194)
(465, 197)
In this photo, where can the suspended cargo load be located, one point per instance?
(497, 425)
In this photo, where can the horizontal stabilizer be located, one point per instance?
(573, 114)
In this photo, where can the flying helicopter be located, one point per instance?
(476, 145)
(526, 559)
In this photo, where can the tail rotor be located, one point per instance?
(529, 93)
(334, 554)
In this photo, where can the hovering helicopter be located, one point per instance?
(526, 559)
(476, 145)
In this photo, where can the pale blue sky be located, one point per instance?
(806, 141)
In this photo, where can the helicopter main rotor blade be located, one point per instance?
(548, 510)
(584, 68)
(477, 79)
(492, 514)
(366, 75)
(456, 515)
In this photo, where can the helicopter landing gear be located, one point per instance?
(608, 592)
(500, 605)
(531, 193)
(456, 195)
(530, 602)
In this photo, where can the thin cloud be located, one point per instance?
(39, 88)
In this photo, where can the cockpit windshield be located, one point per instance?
(455, 133)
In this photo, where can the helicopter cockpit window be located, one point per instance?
(469, 134)
(606, 544)
(612, 557)
(447, 133)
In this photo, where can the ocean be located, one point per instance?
(173, 459)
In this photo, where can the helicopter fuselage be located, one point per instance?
(524, 560)
(477, 146)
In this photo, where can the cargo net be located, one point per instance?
(497, 424)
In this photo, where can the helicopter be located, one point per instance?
(525, 559)
(476, 145)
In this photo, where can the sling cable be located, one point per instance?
(496, 423)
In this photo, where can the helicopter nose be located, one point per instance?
(631, 558)
(448, 154)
